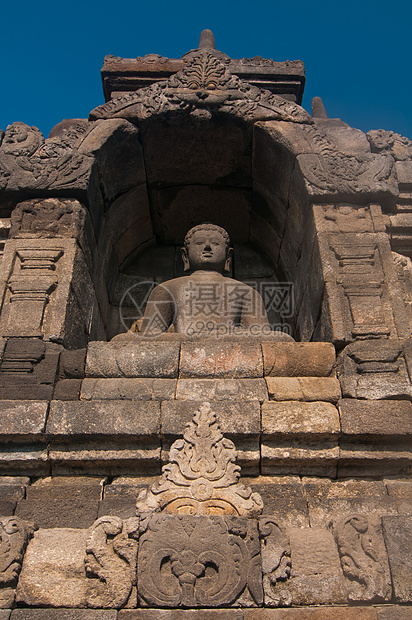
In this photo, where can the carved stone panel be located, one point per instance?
(199, 561)
(276, 562)
(14, 536)
(363, 558)
(111, 556)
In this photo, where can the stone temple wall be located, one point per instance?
(320, 525)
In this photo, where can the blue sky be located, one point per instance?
(357, 54)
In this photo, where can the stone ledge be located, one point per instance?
(295, 419)
(379, 418)
(99, 418)
(221, 360)
(298, 359)
(128, 389)
(144, 358)
(221, 389)
(312, 613)
(63, 614)
(22, 419)
(304, 388)
(180, 614)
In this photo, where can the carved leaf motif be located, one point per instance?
(111, 556)
(204, 71)
(208, 564)
(202, 476)
(363, 558)
(276, 561)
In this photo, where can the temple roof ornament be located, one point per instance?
(202, 476)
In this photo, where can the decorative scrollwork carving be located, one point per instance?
(202, 476)
(111, 556)
(14, 537)
(276, 562)
(363, 558)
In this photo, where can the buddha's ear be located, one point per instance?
(185, 259)
(228, 263)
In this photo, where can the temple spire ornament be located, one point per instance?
(202, 476)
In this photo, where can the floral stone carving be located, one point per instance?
(14, 536)
(111, 555)
(202, 477)
(205, 84)
(363, 558)
(276, 562)
(199, 561)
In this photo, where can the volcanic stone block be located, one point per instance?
(62, 502)
(221, 360)
(63, 614)
(382, 419)
(298, 359)
(22, 419)
(67, 389)
(53, 573)
(123, 508)
(128, 389)
(11, 490)
(144, 358)
(104, 418)
(5, 614)
(394, 612)
(299, 437)
(72, 363)
(221, 389)
(335, 499)
(283, 498)
(296, 419)
(180, 614)
(304, 388)
(17, 459)
(316, 576)
(310, 613)
(398, 539)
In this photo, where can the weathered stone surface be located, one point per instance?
(377, 418)
(123, 508)
(299, 437)
(283, 499)
(127, 486)
(20, 419)
(374, 370)
(180, 614)
(235, 418)
(53, 574)
(14, 536)
(64, 614)
(316, 577)
(297, 419)
(99, 418)
(363, 558)
(28, 369)
(329, 499)
(111, 556)
(128, 389)
(310, 613)
(325, 389)
(394, 612)
(67, 389)
(221, 389)
(221, 360)
(202, 477)
(100, 457)
(144, 358)
(72, 363)
(187, 544)
(115, 146)
(5, 614)
(17, 459)
(50, 217)
(73, 509)
(287, 359)
(398, 536)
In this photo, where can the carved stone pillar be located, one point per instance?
(362, 294)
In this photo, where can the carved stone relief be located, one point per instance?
(111, 556)
(27, 160)
(199, 561)
(276, 562)
(220, 92)
(14, 536)
(363, 558)
(202, 477)
(50, 217)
